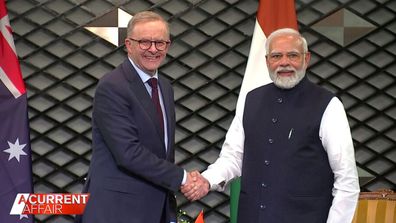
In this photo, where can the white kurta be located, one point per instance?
(336, 139)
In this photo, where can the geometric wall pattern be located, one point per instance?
(353, 54)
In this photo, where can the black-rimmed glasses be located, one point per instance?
(145, 44)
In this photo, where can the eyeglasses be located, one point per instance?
(292, 56)
(145, 44)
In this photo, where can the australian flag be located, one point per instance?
(15, 154)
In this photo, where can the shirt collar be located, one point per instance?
(144, 76)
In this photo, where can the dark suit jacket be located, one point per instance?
(131, 176)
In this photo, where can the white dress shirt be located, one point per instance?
(336, 139)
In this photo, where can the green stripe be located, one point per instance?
(234, 198)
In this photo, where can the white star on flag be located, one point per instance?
(15, 150)
(23, 216)
(16, 176)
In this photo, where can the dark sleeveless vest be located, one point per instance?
(286, 175)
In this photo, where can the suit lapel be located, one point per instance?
(166, 97)
(137, 86)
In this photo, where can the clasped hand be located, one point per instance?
(195, 187)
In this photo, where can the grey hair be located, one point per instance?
(145, 16)
(286, 31)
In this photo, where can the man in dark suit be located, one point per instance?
(132, 175)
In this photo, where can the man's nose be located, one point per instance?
(284, 60)
(152, 48)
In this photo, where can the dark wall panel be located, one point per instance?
(353, 48)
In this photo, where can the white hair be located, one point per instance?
(285, 32)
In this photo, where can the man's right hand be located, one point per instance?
(195, 187)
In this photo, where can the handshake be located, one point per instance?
(195, 187)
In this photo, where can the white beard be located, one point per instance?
(286, 82)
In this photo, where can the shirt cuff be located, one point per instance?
(184, 178)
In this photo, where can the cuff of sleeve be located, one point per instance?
(215, 184)
(184, 178)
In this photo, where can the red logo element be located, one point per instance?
(49, 204)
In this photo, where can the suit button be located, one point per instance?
(267, 162)
(274, 120)
(279, 100)
(263, 185)
(262, 206)
(270, 141)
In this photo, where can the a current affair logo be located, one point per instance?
(61, 204)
